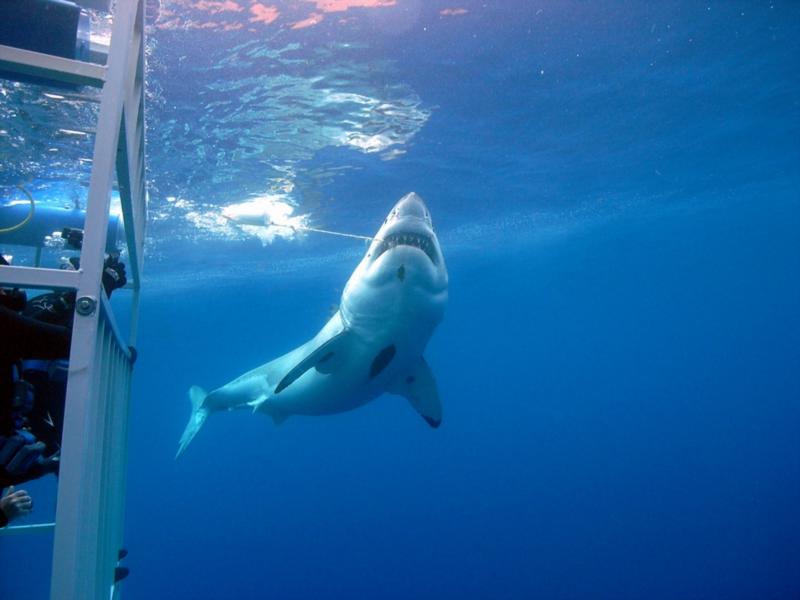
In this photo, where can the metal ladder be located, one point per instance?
(91, 486)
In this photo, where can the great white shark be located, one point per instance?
(374, 344)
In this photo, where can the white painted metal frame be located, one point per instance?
(53, 68)
(91, 488)
(26, 529)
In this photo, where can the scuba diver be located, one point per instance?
(33, 375)
(21, 456)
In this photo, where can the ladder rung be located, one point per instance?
(54, 68)
(31, 277)
(24, 529)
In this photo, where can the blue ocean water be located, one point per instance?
(615, 187)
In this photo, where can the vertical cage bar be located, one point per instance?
(91, 489)
(88, 519)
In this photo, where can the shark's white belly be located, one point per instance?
(349, 386)
(320, 394)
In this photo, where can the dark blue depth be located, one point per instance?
(616, 190)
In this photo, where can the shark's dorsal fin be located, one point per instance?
(325, 357)
(419, 387)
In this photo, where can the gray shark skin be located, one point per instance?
(374, 343)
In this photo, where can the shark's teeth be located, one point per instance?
(423, 242)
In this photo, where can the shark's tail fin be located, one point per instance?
(197, 396)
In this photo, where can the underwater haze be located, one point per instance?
(616, 190)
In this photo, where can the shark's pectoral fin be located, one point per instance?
(419, 387)
(326, 358)
(330, 361)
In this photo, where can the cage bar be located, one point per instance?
(91, 488)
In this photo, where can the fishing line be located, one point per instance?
(326, 231)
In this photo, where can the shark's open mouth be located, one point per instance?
(417, 240)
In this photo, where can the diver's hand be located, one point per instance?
(113, 274)
(16, 504)
(51, 464)
(17, 456)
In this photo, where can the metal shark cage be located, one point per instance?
(91, 486)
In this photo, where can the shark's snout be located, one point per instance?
(411, 205)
